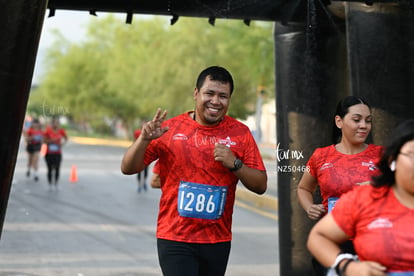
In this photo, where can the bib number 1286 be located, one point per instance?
(201, 200)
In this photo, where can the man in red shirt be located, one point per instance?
(202, 156)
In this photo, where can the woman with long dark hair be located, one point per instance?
(348, 162)
(54, 137)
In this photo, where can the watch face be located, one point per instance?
(238, 164)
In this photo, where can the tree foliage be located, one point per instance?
(125, 71)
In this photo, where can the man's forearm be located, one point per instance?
(252, 179)
(133, 160)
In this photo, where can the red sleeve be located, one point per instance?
(251, 156)
(46, 133)
(63, 133)
(137, 133)
(346, 210)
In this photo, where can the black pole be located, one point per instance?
(311, 76)
(381, 56)
(21, 24)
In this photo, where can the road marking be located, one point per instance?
(257, 210)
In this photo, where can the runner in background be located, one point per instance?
(26, 124)
(54, 137)
(155, 178)
(34, 138)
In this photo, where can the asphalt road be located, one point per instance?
(99, 225)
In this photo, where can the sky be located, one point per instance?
(72, 24)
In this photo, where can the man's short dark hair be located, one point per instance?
(216, 73)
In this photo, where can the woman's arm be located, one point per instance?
(324, 239)
(323, 243)
(306, 188)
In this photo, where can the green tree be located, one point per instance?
(125, 71)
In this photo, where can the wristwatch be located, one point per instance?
(237, 165)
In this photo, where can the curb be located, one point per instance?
(264, 201)
(100, 141)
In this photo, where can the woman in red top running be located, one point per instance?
(378, 217)
(338, 168)
(55, 138)
(34, 139)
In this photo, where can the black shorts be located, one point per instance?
(193, 259)
(53, 160)
(32, 148)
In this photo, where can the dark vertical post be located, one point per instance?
(381, 56)
(21, 24)
(311, 73)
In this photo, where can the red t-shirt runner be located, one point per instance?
(36, 136)
(338, 173)
(54, 146)
(198, 192)
(381, 227)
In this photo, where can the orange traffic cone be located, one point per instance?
(73, 174)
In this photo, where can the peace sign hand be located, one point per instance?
(152, 129)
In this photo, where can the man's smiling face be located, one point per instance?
(212, 102)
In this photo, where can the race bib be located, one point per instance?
(201, 200)
(54, 147)
(331, 203)
(37, 138)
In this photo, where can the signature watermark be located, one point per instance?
(54, 110)
(292, 168)
(287, 154)
(282, 154)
